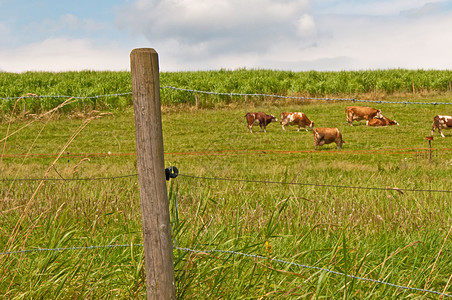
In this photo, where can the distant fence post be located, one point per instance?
(157, 243)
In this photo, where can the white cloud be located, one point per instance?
(370, 7)
(201, 34)
(384, 42)
(203, 21)
(306, 26)
(62, 54)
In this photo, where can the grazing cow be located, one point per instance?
(324, 136)
(296, 118)
(361, 112)
(259, 118)
(381, 122)
(441, 122)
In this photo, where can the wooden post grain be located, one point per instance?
(158, 248)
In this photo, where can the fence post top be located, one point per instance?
(150, 50)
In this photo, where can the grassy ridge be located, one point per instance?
(379, 234)
(375, 83)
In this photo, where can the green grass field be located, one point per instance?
(321, 219)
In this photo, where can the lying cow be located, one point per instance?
(296, 118)
(361, 112)
(381, 122)
(259, 118)
(324, 136)
(441, 122)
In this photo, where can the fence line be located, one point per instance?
(314, 268)
(302, 98)
(63, 96)
(235, 94)
(69, 179)
(400, 190)
(237, 180)
(64, 249)
(239, 151)
(239, 254)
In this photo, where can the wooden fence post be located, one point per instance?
(158, 248)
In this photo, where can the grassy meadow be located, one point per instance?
(288, 202)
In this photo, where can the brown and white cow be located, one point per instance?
(361, 112)
(324, 136)
(381, 122)
(295, 118)
(441, 122)
(259, 118)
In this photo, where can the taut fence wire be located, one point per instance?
(69, 179)
(236, 253)
(302, 98)
(195, 91)
(239, 152)
(400, 190)
(63, 96)
(214, 178)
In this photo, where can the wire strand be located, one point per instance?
(316, 184)
(239, 254)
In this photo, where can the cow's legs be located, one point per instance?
(250, 128)
(321, 143)
(283, 124)
(318, 142)
(440, 131)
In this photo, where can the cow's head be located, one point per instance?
(283, 116)
(311, 125)
(379, 115)
(271, 118)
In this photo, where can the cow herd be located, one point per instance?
(323, 136)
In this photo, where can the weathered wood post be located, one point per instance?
(158, 248)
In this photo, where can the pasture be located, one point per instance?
(376, 209)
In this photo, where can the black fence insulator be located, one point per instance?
(171, 172)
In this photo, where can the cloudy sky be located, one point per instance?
(297, 35)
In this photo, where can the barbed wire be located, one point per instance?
(63, 96)
(314, 268)
(302, 98)
(65, 249)
(235, 94)
(234, 253)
